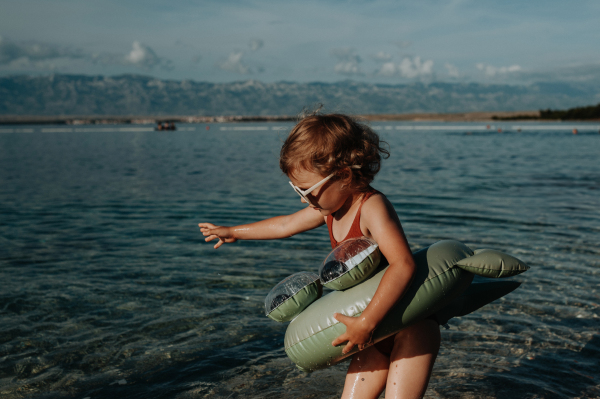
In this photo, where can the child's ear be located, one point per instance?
(345, 176)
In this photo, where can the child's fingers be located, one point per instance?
(348, 347)
(341, 317)
(344, 337)
(217, 245)
(210, 238)
(339, 340)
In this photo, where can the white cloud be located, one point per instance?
(46, 56)
(235, 63)
(415, 68)
(492, 71)
(382, 56)
(347, 68)
(452, 70)
(407, 68)
(142, 56)
(256, 44)
(28, 54)
(569, 73)
(348, 61)
(387, 69)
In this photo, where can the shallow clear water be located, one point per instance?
(108, 289)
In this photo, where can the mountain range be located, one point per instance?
(144, 95)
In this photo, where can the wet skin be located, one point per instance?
(379, 222)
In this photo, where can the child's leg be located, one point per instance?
(411, 361)
(366, 375)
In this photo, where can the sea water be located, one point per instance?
(107, 288)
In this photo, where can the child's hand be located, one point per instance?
(358, 332)
(210, 231)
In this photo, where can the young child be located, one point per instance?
(330, 161)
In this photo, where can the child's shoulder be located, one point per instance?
(377, 213)
(377, 201)
(374, 193)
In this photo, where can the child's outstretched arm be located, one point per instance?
(268, 229)
(384, 227)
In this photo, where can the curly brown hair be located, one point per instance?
(329, 143)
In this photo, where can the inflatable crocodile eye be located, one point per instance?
(350, 263)
(292, 295)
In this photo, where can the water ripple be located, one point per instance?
(110, 291)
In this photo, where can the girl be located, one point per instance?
(330, 161)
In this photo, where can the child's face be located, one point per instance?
(327, 198)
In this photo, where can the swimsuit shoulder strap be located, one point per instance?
(329, 223)
(355, 231)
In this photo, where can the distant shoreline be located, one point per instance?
(145, 120)
(106, 119)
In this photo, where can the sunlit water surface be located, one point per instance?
(108, 289)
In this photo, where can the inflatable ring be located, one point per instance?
(441, 286)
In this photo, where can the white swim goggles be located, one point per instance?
(304, 193)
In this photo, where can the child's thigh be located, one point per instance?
(367, 375)
(369, 360)
(421, 338)
(411, 361)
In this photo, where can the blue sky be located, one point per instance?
(372, 41)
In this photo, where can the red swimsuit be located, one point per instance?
(385, 346)
(355, 231)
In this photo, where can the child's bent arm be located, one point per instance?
(385, 228)
(268, 229)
